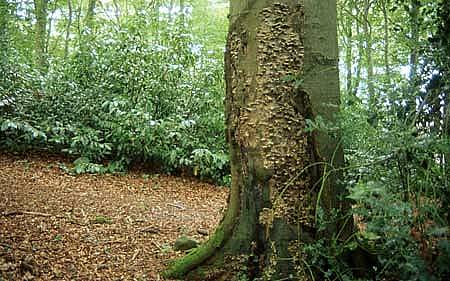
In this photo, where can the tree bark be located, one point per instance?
(387, 69)
(90, 13)
(277, 167)
(359, 64)
(347, 17)
(368, 52)
(413, 57)
(4, 33)
(40, 9)
(410, 111)
(68, 26)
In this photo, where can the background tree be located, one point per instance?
(40, 7)
(5, 41)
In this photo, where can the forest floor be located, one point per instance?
(56, 226)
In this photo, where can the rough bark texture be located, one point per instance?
(276, 175)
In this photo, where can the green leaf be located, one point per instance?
(58, 238)
(288, 78)
(438, 231)
(370, 235)
(298, 83)
(7, 124)
(102, 220)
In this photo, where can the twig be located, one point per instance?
(113, 241)
(150, 229)
(135, 254)
(176, 206)
(16, 213)
(6, 245)
(156, 245)
(72, 221)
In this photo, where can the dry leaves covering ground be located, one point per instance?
(54, 226)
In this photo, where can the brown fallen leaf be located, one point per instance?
(151, 229)
(202, 231)
(145, 222)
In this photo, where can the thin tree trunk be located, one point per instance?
(4, 32)
(40, 9)
(446, 129)
(90, 13)
(387, 69)
(5, 45)
(49, 30)
(171, 7)
(413, 58)
(182, 7)
(79, 20)
(117, 12)
(68, 26)
(346, 16)
(368, 52)
(359, 65)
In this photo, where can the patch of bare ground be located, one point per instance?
(54, 226)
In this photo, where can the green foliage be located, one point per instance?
(102, 220)
(141, 90)
(325, 257)
(146, 85)
(398, 184)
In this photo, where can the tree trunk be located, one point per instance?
(368, 51)
(359, 64)
(40, 9)
(277, 167)
(413, 12)
(446, 129)
(4, 33)
(346, 35)
(413, 57)
(117, 13)
(90, 13)
(387, 69)
(68, 26)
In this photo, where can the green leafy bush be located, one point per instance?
(130, 93)
(399, 190)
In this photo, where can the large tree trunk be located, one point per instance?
(277, 167)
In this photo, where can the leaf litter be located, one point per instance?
(56, 226)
